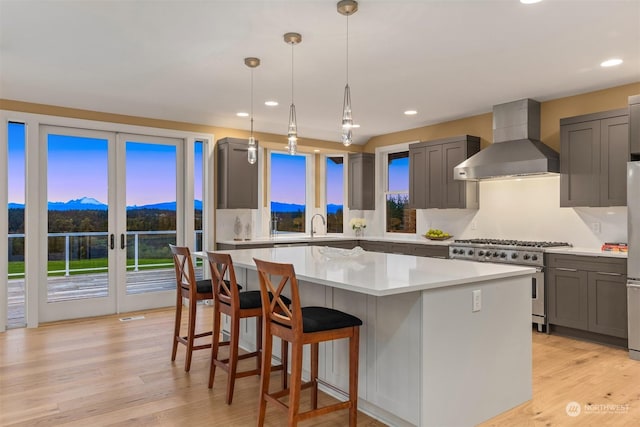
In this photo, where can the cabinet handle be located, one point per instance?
(567, 269)
(609, 274)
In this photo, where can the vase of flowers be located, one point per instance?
(358, 225)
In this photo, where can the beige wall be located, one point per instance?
(551, 113)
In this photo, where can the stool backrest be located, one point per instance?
(185, 274)
(274, 308)
(224, 291)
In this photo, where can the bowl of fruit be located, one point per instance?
(435, 234)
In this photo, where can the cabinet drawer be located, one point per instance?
(431, 251)
(588, 263)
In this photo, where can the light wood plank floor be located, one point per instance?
(102, 371)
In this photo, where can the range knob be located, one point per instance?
(514, 255)
(470, 252)
(488, 253)
(481, 253)
(503, 255)
(455, 251)
(495, 254)
(526, 256)
(534, 257)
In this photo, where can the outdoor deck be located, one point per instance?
(92, 285)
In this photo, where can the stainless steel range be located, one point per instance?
(517, 252)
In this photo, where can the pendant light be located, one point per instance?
(252, 152)
(292, 134)
(347, 7)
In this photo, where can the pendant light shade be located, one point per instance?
(347, 7)
(252, 150)
(292, 133)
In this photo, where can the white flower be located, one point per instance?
(358, 223)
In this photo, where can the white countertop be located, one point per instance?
(301, 238)
(375, 273)
(586, 252)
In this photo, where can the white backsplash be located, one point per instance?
(528, 209)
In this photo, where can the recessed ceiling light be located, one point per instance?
(242, 114)
(410, 112)
(530, 1)
(316, 151)
(611, 62)
(355, 125)
(271, 103)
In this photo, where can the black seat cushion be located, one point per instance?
(252, 299)
(315, 319)
(204, 286)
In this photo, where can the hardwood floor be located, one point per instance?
(102, 371)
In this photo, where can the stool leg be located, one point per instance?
(233, 356)
(176, 327)
(314, 375)
(267, 343)
(190, 333)
(284, 358)
(259, 342)
(215, 343)
(296, 380)
(354, 349)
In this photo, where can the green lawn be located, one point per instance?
(99, 264)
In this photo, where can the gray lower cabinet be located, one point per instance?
(431, 182)
(634, 126)
(587, 293)
(361, 182)
(594, 149)
(237, 180)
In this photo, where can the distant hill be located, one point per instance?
(293, 207)
(89, 203)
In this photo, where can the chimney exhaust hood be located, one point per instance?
(516, 150)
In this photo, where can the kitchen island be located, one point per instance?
(428, 357)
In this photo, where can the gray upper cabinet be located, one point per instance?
(634, 126)
(237, 179)
(594, 149)
(431, 182)
(362, 181)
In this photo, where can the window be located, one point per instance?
(197, 193)
(16, 174)
(400, 218)
(335, 193)
(288, 193)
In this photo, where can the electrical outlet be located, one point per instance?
(477, 300)
(595, 227)
(474, 225)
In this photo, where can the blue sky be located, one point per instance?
(335, 183)
(288, 178)
(399, 174)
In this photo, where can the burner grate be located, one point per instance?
(509, 242)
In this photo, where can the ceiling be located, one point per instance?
(183, 60)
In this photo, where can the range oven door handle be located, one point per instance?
(633, 285)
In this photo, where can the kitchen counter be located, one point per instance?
(424, 352)
(297, 238)
(586, 252)
(375, 273)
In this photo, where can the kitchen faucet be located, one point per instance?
(324, 222)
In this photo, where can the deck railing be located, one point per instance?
(131, 235)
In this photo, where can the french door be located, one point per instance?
(112, 210)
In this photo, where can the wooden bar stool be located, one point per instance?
(237, 305)
(299, 326)
(194, 290)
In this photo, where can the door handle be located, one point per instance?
(122, 242)
(112, 241)
(609, 274)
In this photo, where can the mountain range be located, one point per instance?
(293, 207)
(89, 203)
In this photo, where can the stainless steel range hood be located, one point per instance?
(516, 150)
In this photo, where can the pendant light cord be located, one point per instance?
(292, 44)
(347, 49)
(252, 102)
